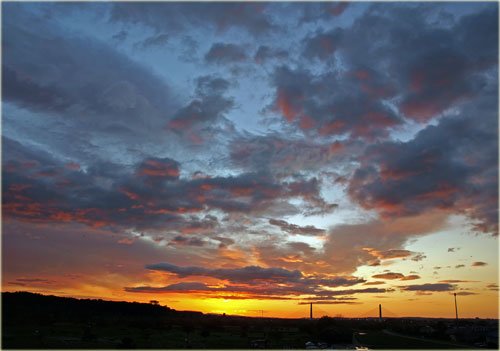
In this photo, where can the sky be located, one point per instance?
(251, 158)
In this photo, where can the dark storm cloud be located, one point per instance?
(296, 229)
(282, 156)
(235, 275)
(97, 197)
(88, 82)
(429, 287)
(159, 168)
(330, 104)
(22, 90)
(251, 274)
(256, 282)
(437, 68)
(251, 17)
(431, 67)
(248, 192)
(222, 53)
(202, 113)
(182, 240)
(257, 292)
(151, 195)
(322, 45)
(453, 165)
(120, 36)
(430, 171)
(314, 11)
(265, 53)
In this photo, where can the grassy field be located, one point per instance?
(73, 335)
(382, 340)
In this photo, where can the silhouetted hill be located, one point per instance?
(21, 305)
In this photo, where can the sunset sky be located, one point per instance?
(251, 158)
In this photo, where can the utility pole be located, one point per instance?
(456, 309)
(261, 312)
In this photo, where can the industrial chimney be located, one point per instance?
(380, 312)
(311, 311)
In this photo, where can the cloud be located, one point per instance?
(200, 115)
(150, 196)
(319, 302)
(322, 45)
(159, 168)
(345, 247)
(296, 229)
(120, 36)
(178, 287)
(411, 277)
(389, 275)
(312, 12)
(492, 287)
(256, 280)
(392, 276)
(390, 254)
(429, 287)
(236, 275)
(177, 17)
(265, 53)
(431, 67)
(479, 264)
(221, 54)
(439, 175)
(256, 292)
(182, 240)
(157, 40)
(465, 293)
(460, 266)
(418, 257)
(99, 87)
(329, 105)
(283, 156)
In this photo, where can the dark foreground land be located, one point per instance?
(36, 321)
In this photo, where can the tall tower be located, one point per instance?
(456, 309)
(380, 312)
(311, 311)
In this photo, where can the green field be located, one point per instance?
(383, 340)
(73, 335)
